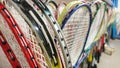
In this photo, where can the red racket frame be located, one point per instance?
(8, 52)
(19, 36)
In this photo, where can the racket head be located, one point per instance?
(95, 26)
(73, 27)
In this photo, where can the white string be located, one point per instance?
(75, 32)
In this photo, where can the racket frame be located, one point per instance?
(69, 15)
(8, 52)
(19, 36)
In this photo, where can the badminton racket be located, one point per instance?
(94, 8)
(19, 37)
(99, 40)
(95, 26)
(93, 32)
(98, 34)
(75, 28)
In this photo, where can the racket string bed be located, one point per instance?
(75, 28)
(19, 36)
(76, 39)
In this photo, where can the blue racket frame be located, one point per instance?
(90, 21)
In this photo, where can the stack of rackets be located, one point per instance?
(44, 34)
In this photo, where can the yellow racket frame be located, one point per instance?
(66, 10)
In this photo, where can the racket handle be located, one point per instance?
(97, 56)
